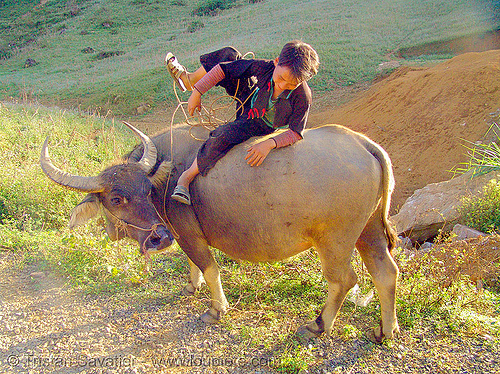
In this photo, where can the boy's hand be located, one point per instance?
(258, 152)
(194, 102)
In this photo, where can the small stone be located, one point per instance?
(464, 232)
(426, 246)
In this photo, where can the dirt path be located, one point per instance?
(48, 327)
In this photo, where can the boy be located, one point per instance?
(279, 99)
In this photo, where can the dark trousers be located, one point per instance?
(225, 137)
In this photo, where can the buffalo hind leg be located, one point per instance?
(341, 278)
(372, 246)
(195, 281)
(219, 303)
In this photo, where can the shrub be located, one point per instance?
(213, 7)
(482, 212)
(483, 157)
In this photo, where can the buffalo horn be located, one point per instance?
(148, 159)
(74, 182)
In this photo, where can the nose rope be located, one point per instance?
(122, 225)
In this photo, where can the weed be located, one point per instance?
(295, 358)
(439, 287)
(195, 26)
(483, 157)
(350, 332)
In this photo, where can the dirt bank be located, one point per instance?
(421, 115)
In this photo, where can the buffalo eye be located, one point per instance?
(117, 200)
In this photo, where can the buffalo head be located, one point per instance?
(124, 193)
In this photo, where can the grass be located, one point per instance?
(351, 37)
(484, 157)
(33, 211)
(438, 290)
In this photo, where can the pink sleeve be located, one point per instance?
(214, 76)
(286, 138)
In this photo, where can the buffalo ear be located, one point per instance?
(87, 209)
(160, 177)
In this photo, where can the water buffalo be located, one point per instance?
(330, 191)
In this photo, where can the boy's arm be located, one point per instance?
(258, 152)
(286, 138)
(214, 76)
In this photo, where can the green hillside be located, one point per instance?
(108, 54)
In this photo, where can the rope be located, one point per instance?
(122, 225)
(206, 118)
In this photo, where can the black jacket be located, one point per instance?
(292, 107)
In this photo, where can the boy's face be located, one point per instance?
(283, 78)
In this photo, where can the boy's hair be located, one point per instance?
(300, 58)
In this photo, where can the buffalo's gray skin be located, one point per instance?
(330, 191)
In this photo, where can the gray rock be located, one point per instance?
(464, 232)
(435, 207)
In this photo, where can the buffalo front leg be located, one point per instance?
(204, 263)
(341, 278)
(372, 246)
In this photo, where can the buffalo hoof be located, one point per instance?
(377, 336)
(307, 332)
(210, 317)
(188, 290)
